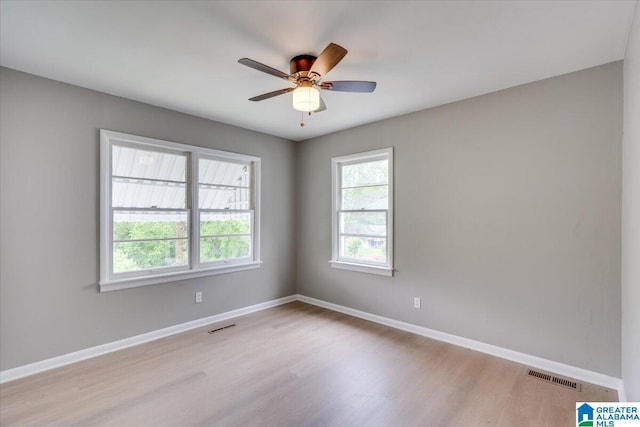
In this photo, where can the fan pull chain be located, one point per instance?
(302, 118)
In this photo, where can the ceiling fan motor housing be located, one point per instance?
(302, 64)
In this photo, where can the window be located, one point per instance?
(225, 214)
(171, 211)
(362, 206)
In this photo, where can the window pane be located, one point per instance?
(214, 197)
(368, 173)
(224, 173)
(367, 223)
(223, 223)
(132, 225)
(138, 193)
(368, 249)
(366, 198)
(221, 248)
(144, 255)
(138, 163)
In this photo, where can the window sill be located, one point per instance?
(134, 282)
(362, 268)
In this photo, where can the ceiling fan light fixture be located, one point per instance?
(306, 74)
(306, 98)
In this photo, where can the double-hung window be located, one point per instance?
(225, 214)
(362, 209)
(171, 211)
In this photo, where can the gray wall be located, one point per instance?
(49, 221)
(507, 219)
(631, 216)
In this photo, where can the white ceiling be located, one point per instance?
(182, 55)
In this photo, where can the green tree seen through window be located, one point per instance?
(138, 251)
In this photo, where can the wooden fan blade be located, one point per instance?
(349, 86)
(264, 68)
(329, 58)
(322, 107)
(271, 94)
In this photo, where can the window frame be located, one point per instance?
(113, 281)
(337, 163)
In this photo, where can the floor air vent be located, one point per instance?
(539, 375)
(554, 380)
(220, 329)
(566, 383)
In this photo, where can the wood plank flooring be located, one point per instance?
(293, 365)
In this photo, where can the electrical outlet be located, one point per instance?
(198, 297)
(417, 302)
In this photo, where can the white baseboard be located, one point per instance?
(622, 395)
(525, 359)
(66, 359)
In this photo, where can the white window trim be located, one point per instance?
(336, 262)
(110, 283)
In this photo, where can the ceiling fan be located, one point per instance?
(306, 73)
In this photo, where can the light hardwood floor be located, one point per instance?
(293, 365)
